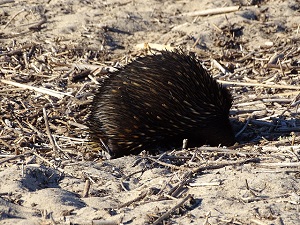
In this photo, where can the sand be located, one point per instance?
(50, 175)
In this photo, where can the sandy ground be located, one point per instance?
(56, 44)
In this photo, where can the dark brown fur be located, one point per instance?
(159, 100)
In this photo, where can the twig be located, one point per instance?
(208, 166)
(256, 221)
(6, 145)
(220, 67)
(223, 164)
(216, 183)
(260, 85)
(212, 11)
(2, 2)
(273, 66)
(14, 16)
(19, 50)
(275, 57)
(14, 157)
(175, 190)
(99, 69)
(207, 216)
(48, 162)
(167, 214)
(154, 46)
(86, 189)
(38, 89)
(244, 127)
(104, 222)
(166, 164)
(140, 197)
(38, 25)
(290, 164)
(48, 131)
(125, 178)
(197, 41)
(224, 150)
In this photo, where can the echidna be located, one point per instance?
(159, 100)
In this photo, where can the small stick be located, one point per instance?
(260, 85)
(244, 127)
(167, 214)
(2, 2)
(104, 222)
(224, 150)
(175, 190)
(208, 12)
(220, 67)
(14, 157)
(209, 166)
(280, 170)
(166, 164)
(281, 69)
(184, 143)
(216, 183)
(48, 131)
(139, 198)
(48, 162)
(38, 25)
(254, 199)
(197, 41)
(5, 144)
(19, 50)
(99, 69)
(295, 101)
(154, 46)
(207, 216)
(275, 58)
(38, 89)
(125, 178)
(279, 221)
(165, 185)
(223, 164)
(290, 164)
(249, 189)
(22, 170)
(30, 160)
(256, 221)
(22, 10)
(93, 79)
(273, 66)
(86, 189)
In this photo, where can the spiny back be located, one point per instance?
(158, 100)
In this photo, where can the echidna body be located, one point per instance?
(159, 100)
